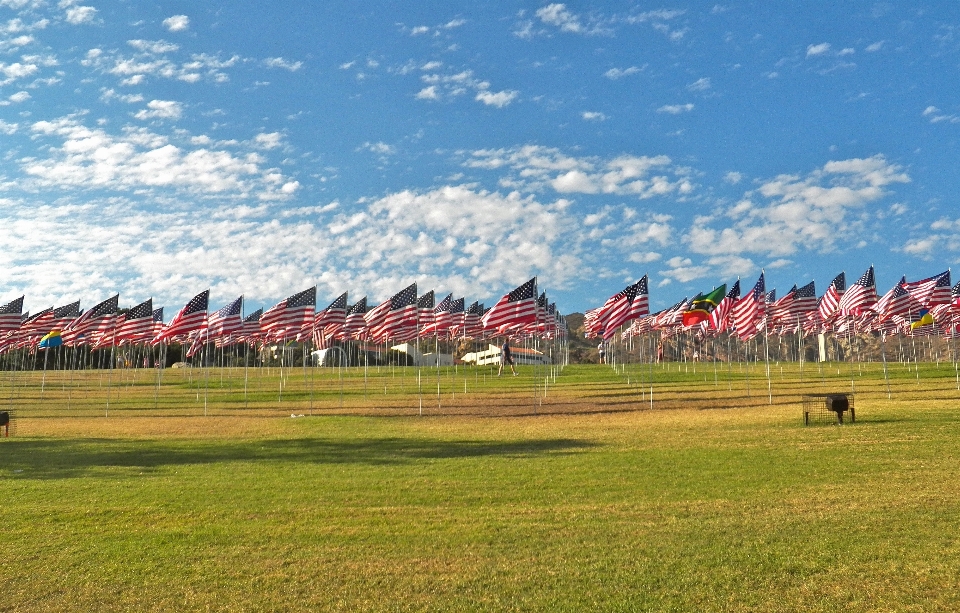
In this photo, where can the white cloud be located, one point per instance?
(498, 99)
(428, 93)
(619, 73)
(8, 128)
(790, 212)
(380, 148)
(418, 30)
(700, 85)
(155, 47)
(270, 140)
(593, 116)
(140, 160)
(279, 62)
(733, 177)
(177, 23)
(813, 50)
(877, 46)
(936, 116)
(161, 109)
(15, 71)
(557, 15)
(460, 83)
(20, 96)
(536, 167)
(675, 109)
(80, 14)
(683, 270)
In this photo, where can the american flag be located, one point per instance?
(640, 307)
(250, 332)
(931, 291)
(10, 315)
(37, 324)
(63, 315)
(457, 312)
(668, 318)
(748, 311)
(618, 313)
(394, 316)
(895, 303)
(719, 318)
(354, 324)
(137, 324)
(442, 319)
(95, 322)
(288, 317)
(333, 315)
(519, 307)
(425, 306)
(831, 298)
(157, 321)
(328, 322)
(861, 295)
(192, 316)
(472, 327)
(592, 325)
(226, 322)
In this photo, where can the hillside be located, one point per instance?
(582, 350)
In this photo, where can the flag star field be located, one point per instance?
(157, 149)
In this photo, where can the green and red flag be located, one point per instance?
(701, 306)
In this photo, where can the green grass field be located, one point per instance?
(520, 494)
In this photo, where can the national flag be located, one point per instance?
(250, 331)
(749, 310)
(425, 306)
(50, 340)
(354, 324)
(328, 322)
(640, 307)
(830, 300)
(621, 309)
(38, 324)
(898, 302)
(157, 321)
(192, 316)
(925, 319)
(861, 295)
(11, 316)
(62, 316)
(457, 312)
(288, 317)
(472, 328)
(719, 318)
(136, 324)
(226, 322)
(393, 316)
(99, 320)
(702, 306)
(442, 319)
(519, 307)
(931, 291)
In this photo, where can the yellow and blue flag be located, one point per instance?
(52, 339)
(926, 319)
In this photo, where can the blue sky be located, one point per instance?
(157, 149)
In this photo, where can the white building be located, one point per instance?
(424, 359)
(491, 355)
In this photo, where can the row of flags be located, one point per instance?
(405, 316)
(927, 306)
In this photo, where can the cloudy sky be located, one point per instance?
(157, 149)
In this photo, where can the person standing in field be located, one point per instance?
(506, 357)
(602, 351)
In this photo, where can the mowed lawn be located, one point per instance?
(682, 509)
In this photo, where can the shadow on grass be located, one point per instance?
(57, 459)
